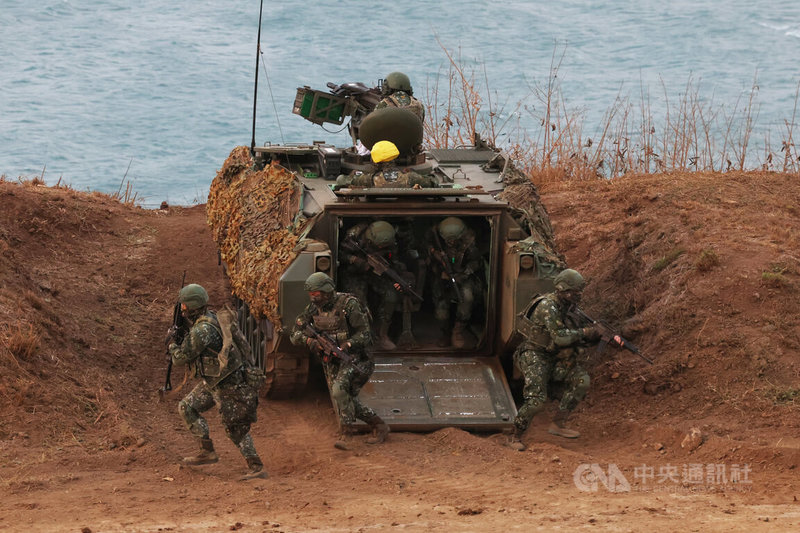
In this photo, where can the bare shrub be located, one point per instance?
(707, 260)
(695, 133)
(21, 341)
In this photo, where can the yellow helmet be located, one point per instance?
(383, 151)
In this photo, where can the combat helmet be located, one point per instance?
(451, 228)
(569, 280)
(397, 81)
(319, 281)
(380, 233)
(193, 296)
(383, 151)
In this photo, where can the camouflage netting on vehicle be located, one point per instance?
(522, 196)
(253, 219)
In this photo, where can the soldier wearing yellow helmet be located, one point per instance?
(385, 172)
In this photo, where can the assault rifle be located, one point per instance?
(448, 268)
(382, 267)
(330, 348)
(607, 334)
(175, 334)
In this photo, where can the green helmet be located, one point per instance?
(380, 233)
(193, 296)
(319, 281)
(569, 280)
(397, 81)
(451, 228)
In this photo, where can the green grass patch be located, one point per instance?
(707, 260)
(668, 259)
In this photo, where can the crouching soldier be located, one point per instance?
(336, 327)
(218, 360)
(548, 355)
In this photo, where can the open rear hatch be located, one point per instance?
(413, 393)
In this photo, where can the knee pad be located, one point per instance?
(188, 413)
(582, 386)
(338, 392)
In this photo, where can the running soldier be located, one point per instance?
(224, 380)
(339, 319)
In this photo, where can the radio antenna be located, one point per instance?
(255, 89)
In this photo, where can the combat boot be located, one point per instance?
(379, 430)
(206, 456)
(444, 340)
(462, 336)
(343, 440)
(255, 469)
(384, 342)
(559, 426)
(515, 441)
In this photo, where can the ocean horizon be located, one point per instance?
(103, 93)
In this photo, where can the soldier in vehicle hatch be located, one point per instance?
(454, 261)
(360, 278)
(385, 173)
(225, 380)
(397, 92)
(335, 326)
(549, 355)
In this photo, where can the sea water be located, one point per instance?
(99, 94)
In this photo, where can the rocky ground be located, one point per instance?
(701, 271)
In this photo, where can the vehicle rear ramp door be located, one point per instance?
(413, 393)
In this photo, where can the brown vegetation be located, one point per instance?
(94, 280)
(696, 134)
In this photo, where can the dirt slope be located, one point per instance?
(701, 271)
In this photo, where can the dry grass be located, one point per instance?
(21, 342)
(695, 133)
(707, 260)
(125, 193)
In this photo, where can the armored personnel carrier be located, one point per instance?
(278, 216)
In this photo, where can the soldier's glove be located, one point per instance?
(590, 333)
(360, 263)
(172, 335)
(314, 346)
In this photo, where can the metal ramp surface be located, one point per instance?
(413, 393)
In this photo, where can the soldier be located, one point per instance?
(360, 279)
(385, 173)
(549, 355)
(397, 92)
(454, 261)
(224, 381)
(341, 317)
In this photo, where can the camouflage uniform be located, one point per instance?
(359, 279)
(403, 99)
(343, 318)
(387, 175)
(549, 354)
(465, 262)
(225, 386)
